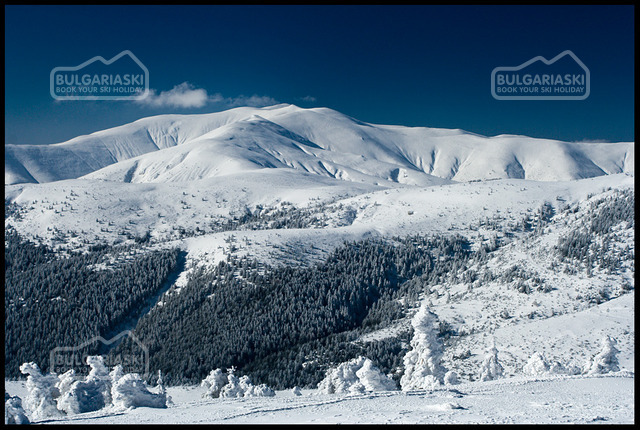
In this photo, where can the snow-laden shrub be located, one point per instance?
(64, 384)
(220, 384)
(91, 394)
(296, 391)
(213, 383)
(251, 390)
(537, 365)
(558, 368)
(130, 391)
(491, 368)
(52, 395)
(41, 401)
(451, 378)
(233, 388)
(358, 375)
(422, 364)
(606, 360)
(13, 411)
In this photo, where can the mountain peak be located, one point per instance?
(315, 140)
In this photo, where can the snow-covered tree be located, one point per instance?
(41, 401)
(296, 391)
(372, 379)
(250, 390)
(358, 375)
(13, 411)
(537, 365)
(220, 384)
(491, 368)
(213, 383)
(91, 394)
(422, 367)
(233, 387)
(451, 378)
(606, 360)
(65, 382)
(130, 391)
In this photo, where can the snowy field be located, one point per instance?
(606, 399)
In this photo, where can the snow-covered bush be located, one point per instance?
(537, 365)
(296, 391)
(220, 384)
(358, 375)
(41, 401)
(606, 360)
(52, 395)
(251, 390)
(91, 394)
(64, 384)
(233, 388)
(213, 383)
(373, 379)
(491, 368)
(13, 411)
(451, 378)
(422, 367)
(130, 391)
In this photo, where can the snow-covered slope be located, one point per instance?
(320, 141)
(546, 400)
(286, 186)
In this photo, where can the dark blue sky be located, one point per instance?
(409, 65)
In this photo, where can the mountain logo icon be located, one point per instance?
(133, 357)
(123, 77)
(564, 77)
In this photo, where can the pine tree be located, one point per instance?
(422, 367)
(606, 360)
(491, 368)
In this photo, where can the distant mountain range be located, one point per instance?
(320, 141)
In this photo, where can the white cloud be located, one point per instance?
(186, 95)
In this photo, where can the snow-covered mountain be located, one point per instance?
(320, 141)
(544, 266)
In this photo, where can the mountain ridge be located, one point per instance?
(328, 143)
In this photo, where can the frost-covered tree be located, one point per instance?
(491, 368)
(41, 401)
(606, 360)
(130, 391)
(91, 394)
(213, 383)
(451, 378)
(220, 384)
(372, 379)
(13, 411)
(250, 390)
(358, 375)
(233, 388)
(422, 367)
(537, 365)
(65, 382)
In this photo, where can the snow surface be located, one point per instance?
(606, 399)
